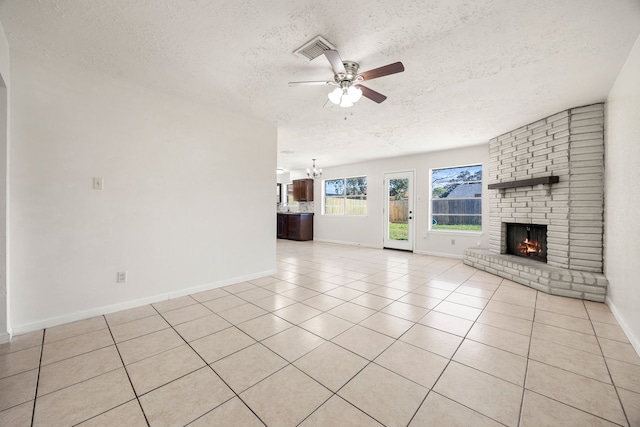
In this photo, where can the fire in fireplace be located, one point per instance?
(527, 240)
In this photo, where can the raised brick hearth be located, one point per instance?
(568, 145)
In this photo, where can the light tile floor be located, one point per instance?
(340, 336)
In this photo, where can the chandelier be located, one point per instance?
(314, 173)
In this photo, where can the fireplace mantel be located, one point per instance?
(525, 182)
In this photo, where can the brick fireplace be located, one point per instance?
(550, 174)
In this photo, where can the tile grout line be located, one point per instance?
(567, 404)
(126, 372)
(526, 368)
(396, 340)
(576, 408)
(574, 373)
(211, 368)
(71, 385)
(369, 362)
(35, 395)
(75, 336)
(606, 364)
(451, 360)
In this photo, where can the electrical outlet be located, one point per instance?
(97, 183)
(453, 241)
(121, 277)
(478, 243)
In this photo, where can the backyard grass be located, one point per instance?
(398, 231)
(468, 227)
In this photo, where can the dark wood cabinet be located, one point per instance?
(303, 190)
(283, 229)
(295, 226)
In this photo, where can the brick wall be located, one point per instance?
(569, 145)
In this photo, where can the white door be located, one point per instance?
(398, 211)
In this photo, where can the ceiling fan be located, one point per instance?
(349, 81)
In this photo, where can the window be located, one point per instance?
(345, 196)
(289, 197)
(456, 198)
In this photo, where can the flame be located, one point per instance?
(528, 248)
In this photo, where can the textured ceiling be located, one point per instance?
(474, 68)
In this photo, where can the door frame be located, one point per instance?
(410, 245)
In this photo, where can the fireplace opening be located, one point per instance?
(527, 240)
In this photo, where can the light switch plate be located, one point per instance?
(97, 183)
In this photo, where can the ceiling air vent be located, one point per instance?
(314, 48)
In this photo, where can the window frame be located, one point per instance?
(431, 199)
(345, 197)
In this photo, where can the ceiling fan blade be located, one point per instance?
(336, 62)
(316, 83)
(394, 68)
(372, 94)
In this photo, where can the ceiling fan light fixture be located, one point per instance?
(354, 93)
(335, 95)
(345, 96)
(346, 102)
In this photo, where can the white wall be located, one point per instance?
(4, 150)
(284, 178)
(368, 230)
(187, 204)
(5, 59)
(622, 196)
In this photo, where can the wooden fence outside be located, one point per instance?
(457, 211)
(337, 206)
(398, 211)
(445, 212)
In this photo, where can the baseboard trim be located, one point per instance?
(106, 309)
(341, 242)
(5, 337)
(439, 254)
(430, 253)
(635, 341)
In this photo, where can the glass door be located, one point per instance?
(398, 228)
